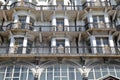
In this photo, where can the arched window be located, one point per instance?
(16, 73)
(60, 72)
(99, 72)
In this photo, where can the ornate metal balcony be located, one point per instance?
(41, 7)
(60, 28)
(19, 26)
(46, 50)
(100, 25)
(95, 4)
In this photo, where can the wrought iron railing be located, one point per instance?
(19, 25)
(61, 50)
(41, 28)
(101, 25)
(96, 3)
(41, 7)
(60, 28)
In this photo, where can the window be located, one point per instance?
(98, 21)
(18, 46)
(22, 19)
(29, 47)
(16, 73)
(60, 46)
(102, 45)
(32, 21)
(60, 72)
(103, 70)
(60, 24)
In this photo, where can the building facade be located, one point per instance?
(59, 40)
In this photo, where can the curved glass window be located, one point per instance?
(60, 72)
(104, 70)
(15, 73)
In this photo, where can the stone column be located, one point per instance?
(53, 45)
(112, 48)
(66, 24)
(93, 44)
(67, 46)
(24, 45)
(54, 23)
(12, 41)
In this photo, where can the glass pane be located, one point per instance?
(8, 79)
(9, 74)
(101, 18)
(30, 76)
(98, 42)
(64, 68)
(2, 69)
(16, 74)
(112, 73)
(64, 78)
(78, 76)
(118, 74)
(57, 68)
(50, 69)
(97, 69)
(2, 76)
(60, 21)
(24, 69)
(23, 76)
(15, 78)
(9, 69)
(104, 73)
(97, 75)
(91, 75)
(17, 69)
(105, 41)
(42, 77)
(49, 76)
(22, 19)
(56, 78)
(57, 73)
(64, 73)
(71, 69)
(71, 76)
(104, 68)
(95, 19)
(111, 68)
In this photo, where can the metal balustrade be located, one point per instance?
(41, 28)
(106, 50)
(19, 26)
(60, 28)
(96, 3)
(100, 25)
(41, 7)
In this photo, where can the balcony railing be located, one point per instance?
(19, 25)
(96, 3)
(100, 25)
(41, 7)
(60, 28)
(61, 50)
